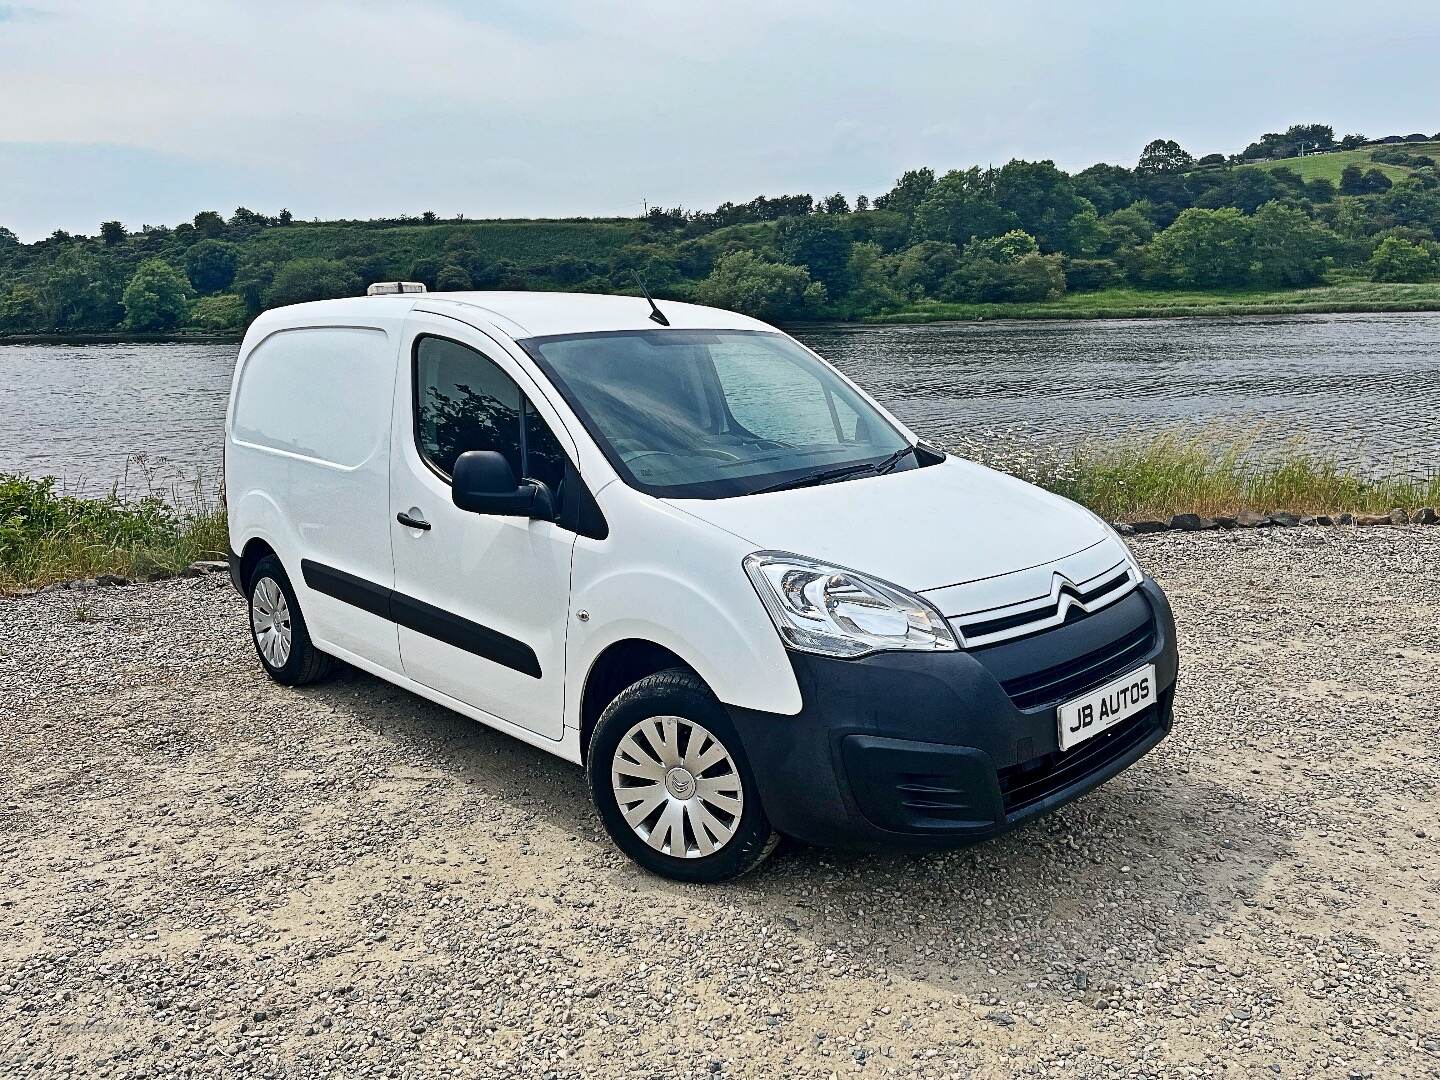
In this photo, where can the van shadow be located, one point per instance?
(1077, 903)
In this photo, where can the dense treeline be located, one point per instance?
(1026, 231)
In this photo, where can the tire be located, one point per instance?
(638, 755)
(277, 628)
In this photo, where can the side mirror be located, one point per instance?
(484, 483)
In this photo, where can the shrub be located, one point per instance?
(218, 313)
(453, 278)
(155, 297)
(1400, 260)
(1087, 275)
(1204, 248)
(756, 286)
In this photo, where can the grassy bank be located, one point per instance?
(1125, 303)
(1187, 473)
(47, 536)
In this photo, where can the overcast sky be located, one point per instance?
(149, 111)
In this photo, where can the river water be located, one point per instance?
(1364, 388)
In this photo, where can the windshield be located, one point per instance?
(706, 414)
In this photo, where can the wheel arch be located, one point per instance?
(255, 549)
(619, 665)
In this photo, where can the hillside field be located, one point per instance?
(1330, 166)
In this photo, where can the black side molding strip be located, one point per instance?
(421, 617)
(355, 591)
(441, 625)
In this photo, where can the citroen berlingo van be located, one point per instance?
(673, 545)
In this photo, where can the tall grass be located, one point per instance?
(47, 535)
(1185, 472)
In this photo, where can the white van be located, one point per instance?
(674, 545)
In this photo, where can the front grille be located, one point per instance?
(1031, 782)
(987, 627)
(1066, 603)
(1052, 685)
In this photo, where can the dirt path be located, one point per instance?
(204, 874)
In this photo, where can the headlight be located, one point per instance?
(832, 611)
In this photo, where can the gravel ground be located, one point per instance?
(204, 874)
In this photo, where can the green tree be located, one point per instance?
(1355, 180)
(1400, 260)
(834, 204)
(209, 224)
(1247, 189)
(1043, 201)
(1289, 248)
(871, 287)
(20, 308)
(961, 206)
(745, 282)
(452, 278)
(819, 244)
(908, 193)
(155, 297)
(1107, 187)
(112, 233)
(1164, 156)
(211, 264)
(1030, 278)
(300, 280)
(1205, 248)
(8, 238)
(921, 268)
(1009, 248)
(79, 291)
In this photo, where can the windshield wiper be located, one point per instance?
(823, 476)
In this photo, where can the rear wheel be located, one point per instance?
(672, 785)
(278, 628)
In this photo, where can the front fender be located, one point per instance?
(668, 577)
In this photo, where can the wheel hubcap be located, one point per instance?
(270, 619)
(677, 787)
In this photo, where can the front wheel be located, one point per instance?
(672, 785)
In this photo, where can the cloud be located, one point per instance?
(363, 107)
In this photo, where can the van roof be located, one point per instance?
(530, 314)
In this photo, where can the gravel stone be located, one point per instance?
(186, 847)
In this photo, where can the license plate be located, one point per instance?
(1086, 717)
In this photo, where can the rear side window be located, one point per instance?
(463, 401)
(323, 393)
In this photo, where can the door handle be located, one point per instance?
(412, 523)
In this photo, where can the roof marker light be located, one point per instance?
(390, 288)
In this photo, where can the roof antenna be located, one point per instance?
(656, 315)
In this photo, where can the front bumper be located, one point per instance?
(922, 750)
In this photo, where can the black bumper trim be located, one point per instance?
(917, 751)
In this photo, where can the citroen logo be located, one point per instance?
(680, 783)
